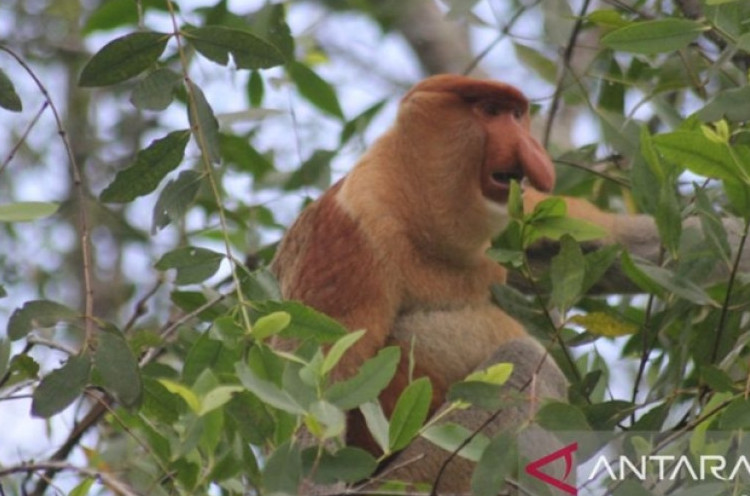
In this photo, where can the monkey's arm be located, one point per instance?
(637, 234)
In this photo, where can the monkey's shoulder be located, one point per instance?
(326, 261)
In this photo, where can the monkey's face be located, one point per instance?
(510, 152)
(479, 129)
(461, 143)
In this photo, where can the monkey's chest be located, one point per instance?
(451, 343)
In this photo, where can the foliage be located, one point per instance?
(179, 375)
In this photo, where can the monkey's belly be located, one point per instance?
(452, 343)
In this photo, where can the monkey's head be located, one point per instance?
(467, 140)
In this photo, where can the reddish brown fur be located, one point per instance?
(398, 246)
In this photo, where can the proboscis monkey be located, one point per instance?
(397, 247)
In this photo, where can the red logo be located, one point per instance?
(567, 453)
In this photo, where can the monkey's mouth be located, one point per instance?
(503, 179)
(496, 183)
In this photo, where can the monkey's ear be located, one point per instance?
(536, 164)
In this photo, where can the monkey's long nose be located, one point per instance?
(536, 165)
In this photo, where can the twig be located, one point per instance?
(133, 435)
(647, 346)
(140, 305)
(106, 479)
(567, 56)
(619, 181)
(208, 167)
(23, 137)
(730, 286)
(105, 401)
(669, 439)
(51, 344)
(169, 329)
(56, 460)
(90, 328)
(501, 36)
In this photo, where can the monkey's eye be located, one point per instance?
(518, 113)
(492, 109)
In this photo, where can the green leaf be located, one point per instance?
(193, 264)
(339, 348)
(111, 14)
(515, 201)
(9, 99)
(175, 199)
(497, 374)
(348, 464)
(118, 367)
(496, 464)
(183, 392)
(283, 471)
(518, 307)
(156, 91)
(611, 90)
(694, 151)
(238, 151)
(717, 379)
(712, 225)
(191, 301)
(38, 314)
(218, 397)
(270, 24)
(158, 403)
(271, 324)
(267, 391)
(558, 416)
(248, 51)
(61, 387)
(376, 422)
(315, 171)
(739, 197)
(556, 227)
(450, 436)
(306, 322)
(605, 416)
(567, 274)
(603, 324)
(607, 19)
(541, 64)
(26, 211)
(657, 36)
(675, 284)
(736, 415)
(550, 208)
(374, 375)
(315, 89)
(734, 104)
(255, 89)
(360, 123)
(668, 218)
(204, 125)
(151, 165)
(597, 263)
(83, 488)
(639, 276)
(123, 58)
(410, 413)
(207, 353)
(4, 356)
(325, 420)
(480, 394)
